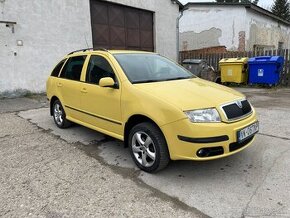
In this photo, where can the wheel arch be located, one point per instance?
(134, 120)
(53, 99)
(218, 80)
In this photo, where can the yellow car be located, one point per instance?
(159, 109)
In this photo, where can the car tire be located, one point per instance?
(59, 115)
(148, 147)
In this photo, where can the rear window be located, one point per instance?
(73, 68)
(57, 69)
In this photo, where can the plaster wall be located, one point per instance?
(51, 29)
(265, 32)
(207, 26)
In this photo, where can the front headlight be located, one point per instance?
(203, 116)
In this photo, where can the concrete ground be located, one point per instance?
(77, 172)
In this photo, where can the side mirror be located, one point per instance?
(107, 82)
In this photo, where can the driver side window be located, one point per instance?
(98, 68)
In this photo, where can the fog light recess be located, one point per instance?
(209, 152)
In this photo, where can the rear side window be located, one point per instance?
(57, 69)
(98, 68)
(73, 68)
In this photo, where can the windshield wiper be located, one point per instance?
(177, 78)
(161, 80)
(146, 81)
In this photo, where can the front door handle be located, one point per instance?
(84, 90)
(59, 84)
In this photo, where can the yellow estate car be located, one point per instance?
(159, 109)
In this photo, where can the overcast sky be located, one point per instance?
(263, 3)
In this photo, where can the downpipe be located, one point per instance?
(177, 33)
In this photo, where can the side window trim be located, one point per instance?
(68, 62)
(66, 59)
(109, 62)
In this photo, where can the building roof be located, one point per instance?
(249, 6)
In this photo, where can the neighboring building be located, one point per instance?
(35, 34)
(238, 27)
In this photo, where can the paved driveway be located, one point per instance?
(42, 175)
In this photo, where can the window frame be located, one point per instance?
(60, 70)
(66, 62)
(133, 83)
(116, 79)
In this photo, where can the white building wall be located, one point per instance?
(51, 29)
(207, 26)
(265, 32)
(234, 27)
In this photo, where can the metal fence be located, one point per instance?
(214, 58)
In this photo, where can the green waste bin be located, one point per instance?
(234, 70)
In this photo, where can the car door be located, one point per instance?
(101, 105)
(68, 85)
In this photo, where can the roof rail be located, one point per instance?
(86, 49)
(100, 49)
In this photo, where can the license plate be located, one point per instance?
(248, 131)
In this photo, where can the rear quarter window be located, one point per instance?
(57, 69)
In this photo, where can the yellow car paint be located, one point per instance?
(107, 110)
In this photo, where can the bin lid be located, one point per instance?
(193, 61)
(266, 59)
(242, 60)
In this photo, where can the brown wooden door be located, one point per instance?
(116, 26)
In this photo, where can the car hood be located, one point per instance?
(189, 94)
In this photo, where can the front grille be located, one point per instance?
(233, 111)
(235, 145)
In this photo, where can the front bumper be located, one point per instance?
(185, 139)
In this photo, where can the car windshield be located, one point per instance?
(144, 68)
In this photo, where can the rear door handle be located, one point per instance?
(59, 84)
(84, 90)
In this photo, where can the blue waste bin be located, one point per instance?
(265, 69)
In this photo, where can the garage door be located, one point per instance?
(119, 27)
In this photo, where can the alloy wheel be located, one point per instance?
(58, 114)
(143, 149)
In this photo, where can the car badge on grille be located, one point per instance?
(239, 103)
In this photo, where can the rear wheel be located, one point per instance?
(148, 147)
(59, 115)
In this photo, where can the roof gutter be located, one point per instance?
(181, 6)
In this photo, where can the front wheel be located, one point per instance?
(59, 115)
(148, 147)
